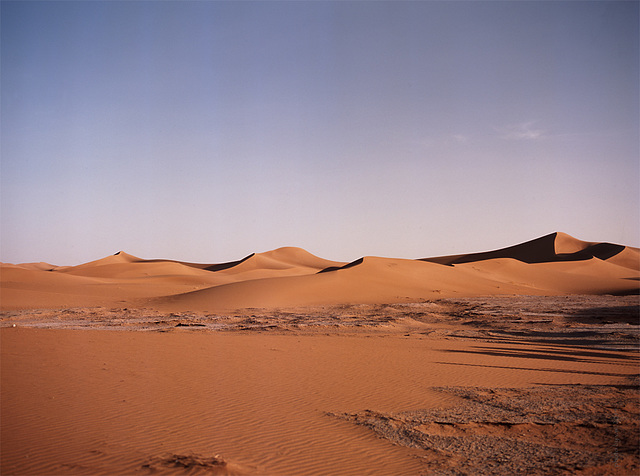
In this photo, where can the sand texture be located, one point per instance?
(517, 361)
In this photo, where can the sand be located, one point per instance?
(496, 363)
(551, 265)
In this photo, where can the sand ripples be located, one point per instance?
(100, 402)
(118, 401)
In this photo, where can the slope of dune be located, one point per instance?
(375, 280)
(287, 261)
(564, 244)
(110, 281)
(205, 266)
(22, 288)
(584, 277)
(282, 261)
(627, 258)
(41, 266)
(549, 248)
(387, 280)
(118, 258)
(136, 269)
(552, 264)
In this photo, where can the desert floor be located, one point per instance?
(495, 385)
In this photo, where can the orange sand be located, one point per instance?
(551, 265)
(108, 402)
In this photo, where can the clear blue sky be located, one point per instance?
(205, 131)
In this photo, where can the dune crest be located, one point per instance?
(550, 265)
(546, 249)
(41, 266)
(567, 244)
(286, 261)
(288, 257)
(117, 258)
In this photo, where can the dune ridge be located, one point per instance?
(553, 264)
(554, 247)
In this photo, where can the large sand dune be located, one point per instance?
(550, 265)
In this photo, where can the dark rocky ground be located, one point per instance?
(598, 320)
(570, 429)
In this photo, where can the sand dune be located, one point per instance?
(375, 280)
(288, 261)
(41, 266)
(552, 264)
(627, 258)
(118, 258)
(103, 282)
(549, 248)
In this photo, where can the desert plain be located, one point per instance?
(522, 360)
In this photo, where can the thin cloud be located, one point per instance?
(522, 131)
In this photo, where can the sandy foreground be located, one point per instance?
(518, 361)
(497, 385)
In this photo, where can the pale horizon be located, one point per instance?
(206, 131)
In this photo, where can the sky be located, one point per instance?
(205, 131)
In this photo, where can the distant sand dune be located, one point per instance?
(287, 261)
(553, 264)
(549, 248)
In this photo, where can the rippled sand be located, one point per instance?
(318, 390)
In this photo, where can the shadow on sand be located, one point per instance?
(571, 354)
(607, 315)
(567, 371)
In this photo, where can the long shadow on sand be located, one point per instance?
(571, 355)
(607, 315)
(567, 371)
(587, 339)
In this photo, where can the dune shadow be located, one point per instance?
(574, 343)
(599, 315)
(539, 369)
(346, 266)
(569, 355)
(540, 250)
(230, 264)
(207, 267)
(569, 338)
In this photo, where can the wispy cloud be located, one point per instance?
(521, 131)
